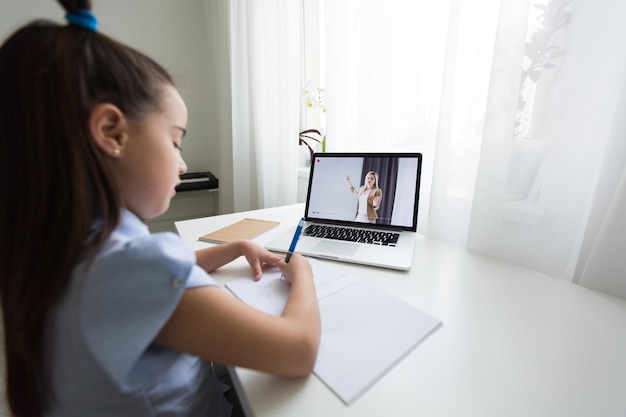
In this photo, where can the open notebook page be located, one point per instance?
(365, 330)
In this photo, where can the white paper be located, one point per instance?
(365, 330)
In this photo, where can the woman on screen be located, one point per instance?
(369, 196)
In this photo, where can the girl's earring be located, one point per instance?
(116, 152)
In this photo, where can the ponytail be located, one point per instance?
(55, 182)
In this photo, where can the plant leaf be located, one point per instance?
(311, 131)
(308, 137)
(534, 75)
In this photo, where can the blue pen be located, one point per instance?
(294, 241)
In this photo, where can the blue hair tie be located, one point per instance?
(83, 18)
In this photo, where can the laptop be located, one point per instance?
(360, 208)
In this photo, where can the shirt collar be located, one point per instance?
(130, 225)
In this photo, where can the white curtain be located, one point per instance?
(518, 107)
(264, 52)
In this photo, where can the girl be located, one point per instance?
(101, 318)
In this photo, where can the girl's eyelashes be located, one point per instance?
(177, 146)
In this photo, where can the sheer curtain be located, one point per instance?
(517, 107)
(264, 53)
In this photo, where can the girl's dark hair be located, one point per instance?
(54, 181)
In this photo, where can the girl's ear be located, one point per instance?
(108, 127)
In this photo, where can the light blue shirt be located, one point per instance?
(99, 338)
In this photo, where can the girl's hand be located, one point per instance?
(297, 268)
(376, 200)
(257, 256)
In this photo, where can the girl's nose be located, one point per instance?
(182, 166)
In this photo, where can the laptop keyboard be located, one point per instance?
(374, 237)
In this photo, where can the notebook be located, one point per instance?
(243, 229)
(371, 198)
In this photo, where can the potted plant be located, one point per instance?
(313, 99)
(541, 54)
(307, 135)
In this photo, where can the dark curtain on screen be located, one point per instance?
(387, 169)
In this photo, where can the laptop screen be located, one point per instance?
(380, 191)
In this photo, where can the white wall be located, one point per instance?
(174, 33)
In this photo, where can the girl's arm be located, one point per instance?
(214, 257)
(212, 324)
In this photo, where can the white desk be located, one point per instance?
(514, 342)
